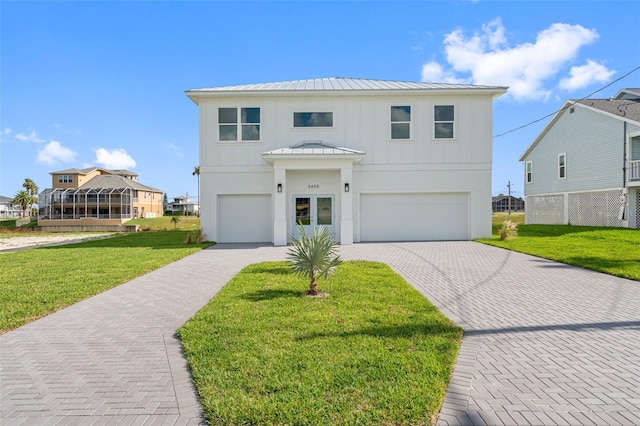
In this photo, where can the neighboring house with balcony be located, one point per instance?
(183, 205)
(96, 197)
(507, 203)
(8, 209)
(371, 160)
(584, 167)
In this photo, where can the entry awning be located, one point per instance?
(313, 150)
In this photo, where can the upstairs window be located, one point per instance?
(400, 122)
(239, 124)
(562, 165)
(65, 178)
(443, 121)
(312, 119)
(529, 172)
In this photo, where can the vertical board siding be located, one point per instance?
(360, 122)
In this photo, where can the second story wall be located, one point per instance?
(361, 122)
(593, 146)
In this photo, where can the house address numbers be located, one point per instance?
(313, 186)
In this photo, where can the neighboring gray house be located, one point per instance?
(8, 209)
(584, 167)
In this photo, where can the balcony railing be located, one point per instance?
(634, 170)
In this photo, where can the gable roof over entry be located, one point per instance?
(313, 149)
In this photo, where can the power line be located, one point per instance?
(568, 106)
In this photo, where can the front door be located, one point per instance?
(312, 211)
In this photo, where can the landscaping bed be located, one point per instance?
(373, 351)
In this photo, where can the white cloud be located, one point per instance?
(54, 152)
(434, 73)
(31, 137)
(114, 159)
(7, 131)
(584, 75)
(487, 58)
(174, 149)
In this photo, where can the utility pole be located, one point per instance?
(509, 199)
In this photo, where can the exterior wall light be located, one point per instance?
(346, 187)
(279, 187)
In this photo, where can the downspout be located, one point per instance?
(623, 198)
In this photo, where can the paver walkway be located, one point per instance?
(544, 343)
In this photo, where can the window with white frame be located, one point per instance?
(529, 171)
(65, 178)
(400, 122)
(562, 165)
(239, 124)
(312, 119)
(443, 121)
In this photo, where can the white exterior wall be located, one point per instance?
(419, 165)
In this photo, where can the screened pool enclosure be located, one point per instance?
(79, 203)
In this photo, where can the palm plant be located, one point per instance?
(314, 257)
(196, 171)
(175, 220)
(32, 190)
(24, 200)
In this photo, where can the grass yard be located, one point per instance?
(190, 223)
(36, 282)
(374, 352)
(615, 251)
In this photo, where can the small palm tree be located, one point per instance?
(24, 200)
(196, 171)
(175, 220)
(314, 257)
(32, 190)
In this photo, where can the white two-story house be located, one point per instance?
(584, 167)
(372, 160)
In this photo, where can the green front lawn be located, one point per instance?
(36, 282)
(615, 251)
(164, 223)
(374, 352)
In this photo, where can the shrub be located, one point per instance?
(508, 231)
(314, 257)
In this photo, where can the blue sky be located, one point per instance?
(102, 83)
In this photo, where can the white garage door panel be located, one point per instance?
(244, 219)
(413, 217)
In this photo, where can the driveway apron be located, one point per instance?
(545, 343)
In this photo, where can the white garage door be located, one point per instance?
(244, 219)
(414, 217)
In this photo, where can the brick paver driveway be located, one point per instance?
(544, 343)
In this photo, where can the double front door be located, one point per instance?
(313, 211)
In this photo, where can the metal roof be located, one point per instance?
(313, 149)
(336, 84)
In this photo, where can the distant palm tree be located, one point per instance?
(314, 257)
(175, 220)
(24, 200)
(196, 171)
(32, 190)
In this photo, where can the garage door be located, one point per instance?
(414, 217)
(244, 219)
